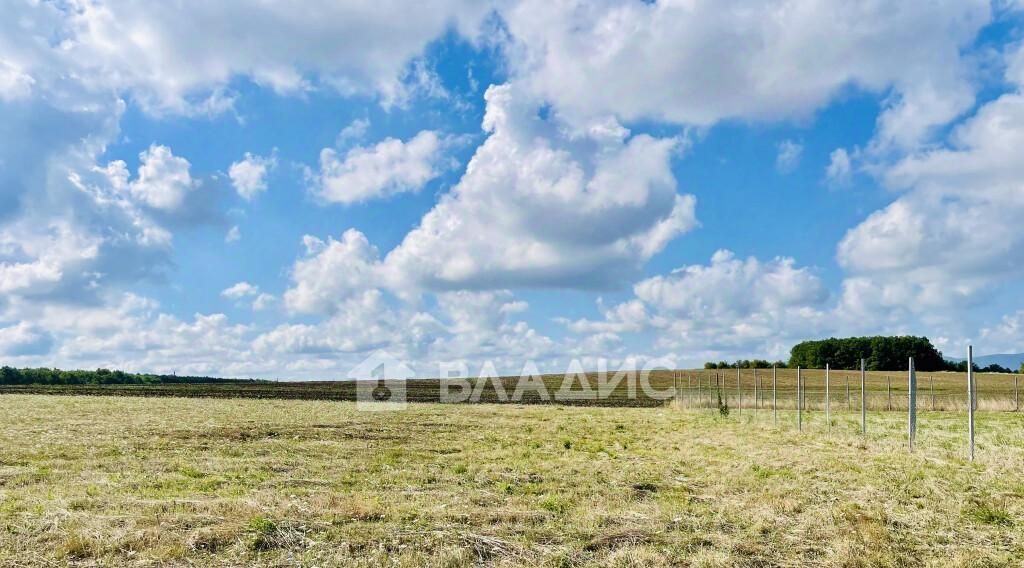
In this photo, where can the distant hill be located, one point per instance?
(1008, 360)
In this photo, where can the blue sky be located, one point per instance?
(504, 182)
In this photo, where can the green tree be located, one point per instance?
(879, 353)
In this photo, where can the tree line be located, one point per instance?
(745, 364)
(880, 353)
(45, 376)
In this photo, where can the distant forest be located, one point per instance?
(745, 364)
(44, 376)
(879, 353)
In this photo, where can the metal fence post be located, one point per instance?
(863, 400)
(700, 391)
(828, 401)
(970, 399)
(775, 400)
(803, 392)
(755, 392)
(931, 387)
(974, 387)
(799, 405)
(912, 402)
(718, 389)
(739, 390)
(888, 391)
(1016, 401)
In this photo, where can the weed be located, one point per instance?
(554, 504)
(991, 514)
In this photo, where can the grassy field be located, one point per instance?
(108, 481)
(885, 390)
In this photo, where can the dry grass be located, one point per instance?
(198, 482)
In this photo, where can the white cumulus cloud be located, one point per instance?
(25, 339)
(954, 231)
(331, 272)
(701, 62)
(181, 57)
(249, 175)
(240, 290)
(387, 168)
(540, 206)
(163, 181)
(731, 306)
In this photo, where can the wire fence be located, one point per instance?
(815, 400)
(700, 390)
(828, 390)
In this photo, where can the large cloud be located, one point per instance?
(125, 331)
(332, 272)
(730, 307)
(541, 206)
(1005, 337)
(182, 56)
(707, 61)
(64, 228)
(70, 226)
(463, 326)
(67, 227)
(954, 232)
(24, 339)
